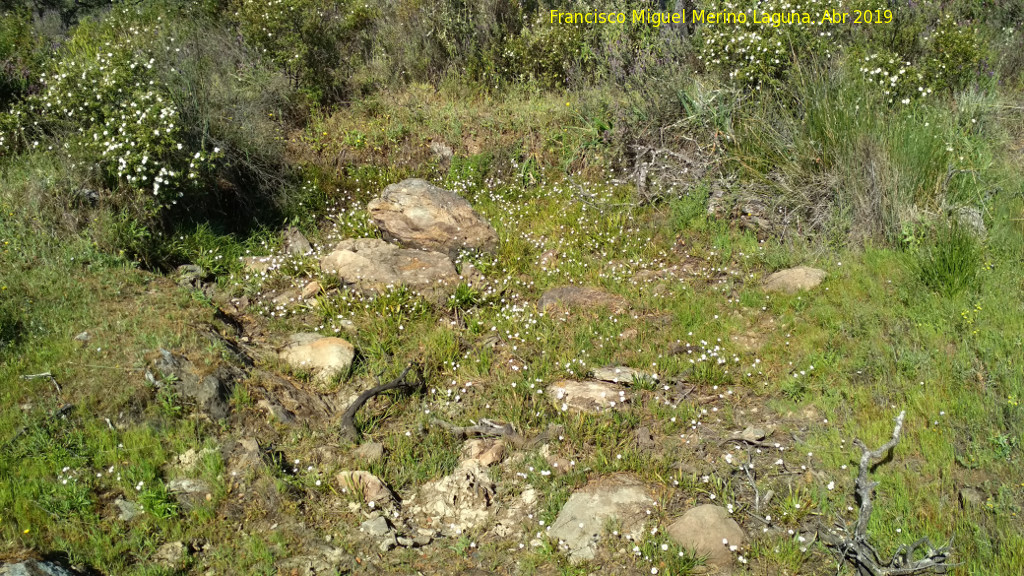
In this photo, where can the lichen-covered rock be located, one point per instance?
(583, 520)
(371, 265)
(326, 357)
(587, 395)
(418, 214)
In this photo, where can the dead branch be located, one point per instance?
(46, 375)
(348, 425)
(859, 552)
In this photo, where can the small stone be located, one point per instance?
(621, 375)
(793, 280)
(127, 510)
(422, 540)
(370, 452)
(971, 498)
(388, 543)
(753, 434)
(83, 337)
(295, 242)
(310, 290)
(171, 554)
(377, 526)
(704, 529)
(586, 395)
(188, 486)
(486, 452)
(327, 357)
(406, 542)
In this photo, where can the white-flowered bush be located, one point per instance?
(104, 104)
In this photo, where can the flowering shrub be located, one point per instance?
(103, 103)
(756, 54)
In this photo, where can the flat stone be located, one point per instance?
(369, 452)
(620, 374)
(587, 395)
(377, 526)
(372, 488)
(326, 357)
(370, 266)
(405, 541)
(484, 451)
(581, 298)
(388, 543)
(171, 554)
(708, 531)
(310, 290)
(584, 517)
(127, 510)
(418, 214)
(793, 280)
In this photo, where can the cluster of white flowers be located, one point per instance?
(103, 103)
(757, 44)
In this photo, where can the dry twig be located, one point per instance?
(859, 552)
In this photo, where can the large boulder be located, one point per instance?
(709, 532)
(793, 280)
(418, 214)
(584, 519)
(326, 357)
(370, 265)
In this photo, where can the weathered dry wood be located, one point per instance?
(858, 551)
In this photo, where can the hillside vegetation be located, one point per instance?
(176, 176)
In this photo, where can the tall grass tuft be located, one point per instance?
(950, 260)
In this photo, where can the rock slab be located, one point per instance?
(417, 214)
(371, 265)
(793, 280)
(710, 532)
(585, 516)
(581, 298)
(587, 395)
(326, 357)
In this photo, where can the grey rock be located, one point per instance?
(388, 543)
(581, 298)
(423, 539)
(369, 451)
(793, 280)
(371, 266)
(171, 554)
(322, 560)
(461, 501)
(35, 568)
(295, 242)
(376, 526)
(587, 395)
(971, 498)
(406, 542)
(188, 486)
(708, 531)
(583, 520)
(620, 374)
(209, 392)
(418, 214)
(83, 337)
(127, 510)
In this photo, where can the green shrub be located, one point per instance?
(19, 56)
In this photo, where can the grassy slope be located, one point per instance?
(877, 338)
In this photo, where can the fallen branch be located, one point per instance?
(46, 375)
(859, 552)
(348, 424)
(491, 429)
